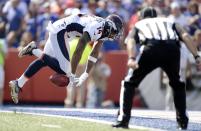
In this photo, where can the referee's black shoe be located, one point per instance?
(120, 124)
(182, 122)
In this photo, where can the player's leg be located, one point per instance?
(2, 78)
(48, 56)
(80, 92)
(179, 94)
(16, 85)
(59, 57)
(125, 101)
(27, 50)
(53, 63)
(126, 96)
(128, 85)
(33, 68)
(55, 52)
(31, 49)
(69, 100)
(179, 91)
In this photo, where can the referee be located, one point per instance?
(160, 47)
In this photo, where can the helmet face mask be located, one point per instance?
(113, 27)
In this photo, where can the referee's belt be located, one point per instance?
(153, 42)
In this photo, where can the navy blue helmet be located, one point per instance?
(113, 28)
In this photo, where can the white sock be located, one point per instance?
(37, 52)
(22, 80)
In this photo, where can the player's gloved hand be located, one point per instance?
(73, 80)
(198, 62)
(82, 78)
(132, 63)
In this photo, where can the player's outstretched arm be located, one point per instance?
(94, 55)
(189, 43)
(91, 61)
(187, 39)
(79, 50)
(131, 48)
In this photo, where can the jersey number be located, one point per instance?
(99, 30)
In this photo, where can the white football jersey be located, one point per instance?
(75, 25)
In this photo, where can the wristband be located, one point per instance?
(92, 59)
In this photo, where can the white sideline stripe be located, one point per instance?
(194, 116)
(107, 111)
(51, 126)
(85, 119)
(121, 113)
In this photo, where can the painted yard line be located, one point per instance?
(86, 119)
(51, 126)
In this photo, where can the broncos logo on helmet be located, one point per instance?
(113, 27)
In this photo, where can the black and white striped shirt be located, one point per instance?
(154, 29)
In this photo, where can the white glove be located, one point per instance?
(82, 78)
(73, 80)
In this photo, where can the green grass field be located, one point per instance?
(24, 122)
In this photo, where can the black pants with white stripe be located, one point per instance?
(164, 55)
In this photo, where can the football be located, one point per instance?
(59, 79)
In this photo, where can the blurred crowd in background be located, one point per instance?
(23, 21)
(26, 20)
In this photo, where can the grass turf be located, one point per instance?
(25, 122)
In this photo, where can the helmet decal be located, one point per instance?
(113, 27)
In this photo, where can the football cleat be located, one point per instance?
(120, 124)
(182, 123)
(27, 50)
(14, 90)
